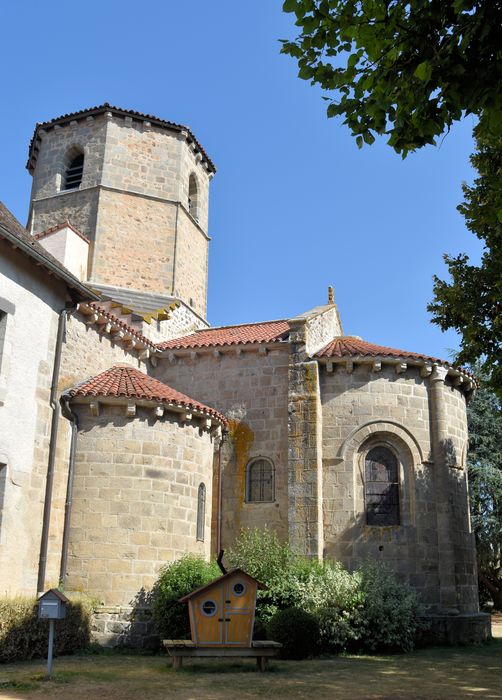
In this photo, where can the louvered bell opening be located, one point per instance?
(73, 176)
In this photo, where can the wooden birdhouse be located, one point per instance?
(222, 612)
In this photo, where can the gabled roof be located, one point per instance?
(12, 231)
(266, 332)
(216, 581)
(119, 112)
(125, 381)
(352, 346)
(60, 227)
(57, 593)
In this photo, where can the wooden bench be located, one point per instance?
(260, 650)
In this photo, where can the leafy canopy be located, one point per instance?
(485, 476)
(405, 69)
(471, 302)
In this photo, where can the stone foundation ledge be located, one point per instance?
(116, 626)
(452, 630)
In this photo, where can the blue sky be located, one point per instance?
(295, 206)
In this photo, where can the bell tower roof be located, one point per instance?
(119, 112)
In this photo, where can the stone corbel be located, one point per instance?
(91, 319)
(131, 409)
(193, 355)
(186, 416)
(401, 367)
(216, 353)
(376, 366)
(94, 408)
(349, 366)
(158, 411)
(329, 366)
(438, 373)
(426, 371)
(262, 350)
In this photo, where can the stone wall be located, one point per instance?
(362, 408)
(25, 416)
(135, 500)
(190, 283)
(251, 389)
(133, 192)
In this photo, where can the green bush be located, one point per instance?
(368, 609)
(390, 615)
(24, 636)
(176, 580)
(297, 631)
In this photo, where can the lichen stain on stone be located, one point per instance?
(242, 437)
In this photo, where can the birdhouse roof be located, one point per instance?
(55, 592)
(211, 584)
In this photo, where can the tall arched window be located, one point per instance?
(201, 512)
(381, 487)
(73, 173)
(260, 485)
(193, 197)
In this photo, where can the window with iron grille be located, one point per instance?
(260, 481)
(381, 487)
(201, 512)
(73, 174)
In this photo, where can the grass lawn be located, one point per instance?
(440, 672)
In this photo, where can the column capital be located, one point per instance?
(438, 373)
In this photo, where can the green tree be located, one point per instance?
(408, 70)
(485, 477)
(471, 302)
(405, 69)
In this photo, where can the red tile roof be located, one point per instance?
(125, 381)
(351, 346)
(58, 227)
(266, 332)
(118, 322)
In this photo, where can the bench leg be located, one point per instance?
(262, 663)
(177, 662)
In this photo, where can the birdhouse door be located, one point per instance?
(240, 597)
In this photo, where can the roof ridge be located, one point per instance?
(238, 325)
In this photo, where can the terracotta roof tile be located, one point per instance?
(118, 322)
(266, 332)
(126, 381)
(11, 229)
(351, 346)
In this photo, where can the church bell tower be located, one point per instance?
(137, 187)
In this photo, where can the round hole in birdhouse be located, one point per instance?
(208, 608)
(239, 588)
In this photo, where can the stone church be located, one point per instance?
(131, 432)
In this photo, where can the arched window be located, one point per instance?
(201, 512)
(381, 487)
(260, 481)
(73, 174)
(193, 197)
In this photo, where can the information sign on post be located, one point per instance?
(52, 606)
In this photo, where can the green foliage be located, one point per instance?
(390, 616)
(472, 301)
(409, 70)
(23, 636)
(367, 608)
(297, 631)
(484, 415)
(404, 69)
(176, 580)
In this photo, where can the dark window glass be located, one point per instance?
(260, 481)
(381, 487)
(201, 512)
(73, 175)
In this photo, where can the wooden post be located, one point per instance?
(262, 663)
(177, 662)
